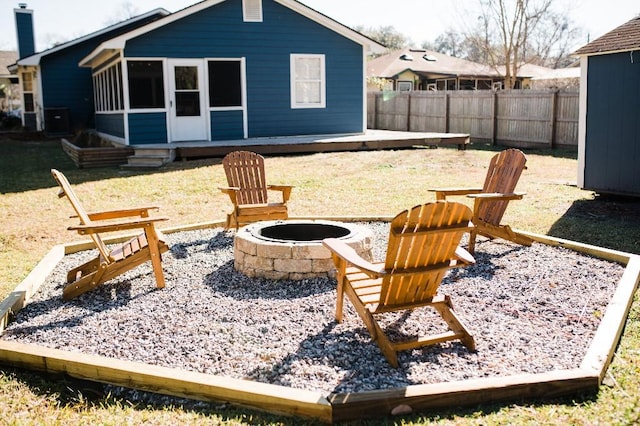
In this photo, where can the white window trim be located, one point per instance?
(323, 81)
(252, 10)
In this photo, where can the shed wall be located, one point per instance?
(612, 144)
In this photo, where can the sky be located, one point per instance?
(419, 20)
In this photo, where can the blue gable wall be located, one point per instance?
(66, 85)
(219, 32)
(612, 145)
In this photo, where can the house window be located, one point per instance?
(308, 85)
(252, 10)
(27, 92)
(146, 84)
(225, 84)
(405, 86)
(107, 89)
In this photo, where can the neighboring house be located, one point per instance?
(57, 95)
(229, 69)
(418, 69)
(609, 131)
(9, 88)
(536, 77)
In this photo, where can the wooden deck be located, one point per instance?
(370, 140)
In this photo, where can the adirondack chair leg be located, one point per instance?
(445, 309)
(385, 345)
(472, 240)
(156, 257)
(84, 284)
(80, 271)
(340, 278)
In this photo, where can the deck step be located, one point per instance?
(149, 158)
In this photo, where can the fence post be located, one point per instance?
(554, 118)
(494, 117)
(447, 125)
(409, 111)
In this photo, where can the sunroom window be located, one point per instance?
(308, 85)
(146, 84)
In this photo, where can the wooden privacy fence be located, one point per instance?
(518, 118)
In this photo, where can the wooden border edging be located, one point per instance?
(336, 406)
(169, 381)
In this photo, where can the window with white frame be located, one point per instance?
(252, 10)
(107, 89)
(308, 83)
(405, 86)
(27, 92)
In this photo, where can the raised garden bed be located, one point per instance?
(90, 150)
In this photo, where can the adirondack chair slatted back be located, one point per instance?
(503, 174)
(422, 242)
(245, 170)
(65, 190)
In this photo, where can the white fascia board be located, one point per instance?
(372, 45)
(121, 41)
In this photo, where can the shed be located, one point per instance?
(609, 130)
(231, 69)
(57, 95)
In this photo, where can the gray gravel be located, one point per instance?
(530, 309)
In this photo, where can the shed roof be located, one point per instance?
(624, 38)
(425, 62)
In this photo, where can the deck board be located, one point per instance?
(367, 141)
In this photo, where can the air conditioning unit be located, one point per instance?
(56, 121)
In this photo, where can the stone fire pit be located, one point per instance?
(292, 249)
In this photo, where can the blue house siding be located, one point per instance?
(219, 32)
(226, 125)
(147, 128)
(612, 147)
(112, 124)
(66, 85)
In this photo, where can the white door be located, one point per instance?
(187, 101)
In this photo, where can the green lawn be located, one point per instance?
(326, 184)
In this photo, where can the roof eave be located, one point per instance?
(372, 46)
(34, 60)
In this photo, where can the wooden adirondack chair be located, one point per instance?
(423, 245)
(248, 190)
(491, 201)
(112, 262)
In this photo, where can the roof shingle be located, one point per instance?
(624, 38)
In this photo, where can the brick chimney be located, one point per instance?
(24, 30)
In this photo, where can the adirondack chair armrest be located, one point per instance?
(117, 214)
(496, 196)
(464, 256)
(231, 191)
(443, 193)
(285, 189)
(95, 228)
(350, 256)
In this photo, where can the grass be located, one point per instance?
(351, 183)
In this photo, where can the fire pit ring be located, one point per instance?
(292, 249)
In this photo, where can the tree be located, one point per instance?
(386, 35)
(126, 10)
(509, 33)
